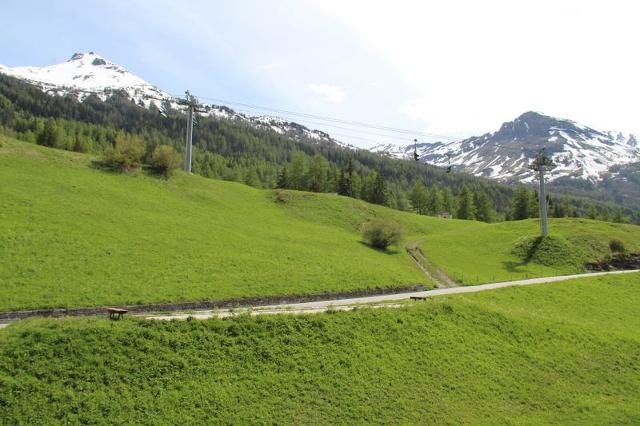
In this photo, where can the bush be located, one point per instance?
(127, 153)
(616, 246)
(165, 160)
(382, 234)
(282, 197)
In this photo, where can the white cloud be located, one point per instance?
(328, 92)
(473, 65)
(268, 67)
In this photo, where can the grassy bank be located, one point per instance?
(72, 235)
(478, 253)
(557, 353)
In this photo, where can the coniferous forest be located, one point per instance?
(239, 151)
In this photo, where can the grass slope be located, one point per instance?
(476, 252)
(71, 235)
(563, 353)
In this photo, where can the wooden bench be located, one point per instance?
(116, 313)
(418, 298)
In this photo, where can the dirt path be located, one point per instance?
(387, 300)
(439, 278)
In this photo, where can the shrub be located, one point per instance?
(382, 234)
(616, 246)
(126, 154)
(282, 197)
(165, 160)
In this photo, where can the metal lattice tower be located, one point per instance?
(541, 164)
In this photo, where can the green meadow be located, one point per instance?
(562, 353)
(74, 235)
(476, 252)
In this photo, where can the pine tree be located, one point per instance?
(591, 212)
(434, 201)
(418, 198)
(50, 135)
(521, 204)
(605, 214)
(448, 203)
(356, 184)
(367, 186)
(345, 185)
(466, 209)
(618, 215)
(379, 193)
(333, 178)
(283, 179)
(484, 211)
(251, 178)
(297, 177)
(318, 174)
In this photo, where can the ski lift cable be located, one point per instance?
(331, 119)
(318, 119)
(192, 97)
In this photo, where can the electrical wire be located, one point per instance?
(360, 128)
(329, 119)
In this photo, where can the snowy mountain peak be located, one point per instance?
(89, 73)
(579, 151)
(85, 74)
(92, 59)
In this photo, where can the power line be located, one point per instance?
(349, 129)
(332, 122)
(330, 119)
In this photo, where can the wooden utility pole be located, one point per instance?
(541, 164)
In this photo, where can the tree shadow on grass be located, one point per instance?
(514, 267)
(388, 251)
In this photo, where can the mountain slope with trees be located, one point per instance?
(237, 150)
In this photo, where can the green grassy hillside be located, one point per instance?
(562, 353)
(477, 252)
(73, 235)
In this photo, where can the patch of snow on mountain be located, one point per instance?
(87, 73)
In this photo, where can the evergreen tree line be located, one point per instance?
(437, 201)
(238, 151)
(526, 205)
(318, 175)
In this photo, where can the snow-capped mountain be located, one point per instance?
(578, 151)
(86, 74)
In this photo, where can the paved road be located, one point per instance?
(377, 301)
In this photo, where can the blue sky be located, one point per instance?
(454, 68)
